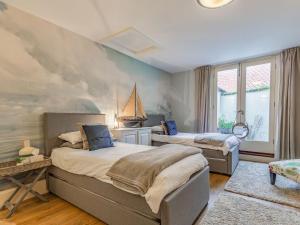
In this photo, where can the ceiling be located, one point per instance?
(187, 35)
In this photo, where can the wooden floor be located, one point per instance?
(59, 212)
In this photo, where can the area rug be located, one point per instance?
(232, 209)
(252, 179)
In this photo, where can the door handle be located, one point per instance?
(241, 112)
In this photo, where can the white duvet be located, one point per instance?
(188, 139)
(97, 163)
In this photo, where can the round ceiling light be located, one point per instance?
(213, 3)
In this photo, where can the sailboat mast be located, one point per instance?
(135, 103)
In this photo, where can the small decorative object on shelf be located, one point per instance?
(22, 160)
(8, 171)
(29, 154)
(133, 114)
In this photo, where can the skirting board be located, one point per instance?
(256, 158)
(40, 187)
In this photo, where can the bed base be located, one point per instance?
(218, 163)
(228, 164)
(181, 207)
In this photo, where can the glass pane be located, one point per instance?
(227, 99)
(258, 82)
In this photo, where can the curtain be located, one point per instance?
(202, 87)
(289, 105)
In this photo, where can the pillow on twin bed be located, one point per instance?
(157, 130)
(164, 127)
(171, 127)
(72, 137)
(85, 143)
(84, 137)
(78, 145)
(98, 136)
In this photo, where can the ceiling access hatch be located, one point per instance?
(130, 40)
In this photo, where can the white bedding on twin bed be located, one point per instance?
(97, 163)
(188, 139)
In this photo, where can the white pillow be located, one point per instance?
(72, 137)
(157, 129)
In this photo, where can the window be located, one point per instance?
(226, 99)
(244, 92)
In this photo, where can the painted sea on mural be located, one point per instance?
(45, 68)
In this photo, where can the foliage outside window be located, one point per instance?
(225, 126)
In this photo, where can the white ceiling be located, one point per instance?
(188, 35)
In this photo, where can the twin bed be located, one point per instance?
(222, 160)
(79, 177)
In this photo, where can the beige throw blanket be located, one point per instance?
(214, 139)
(136, 172)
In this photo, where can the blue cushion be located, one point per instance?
(171, 126)
(98, 136)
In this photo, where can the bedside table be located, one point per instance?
(8, 171)
(139, 136)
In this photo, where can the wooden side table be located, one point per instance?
(9, 170)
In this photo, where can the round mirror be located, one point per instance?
(240, 130)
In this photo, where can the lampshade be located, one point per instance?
(213, 3)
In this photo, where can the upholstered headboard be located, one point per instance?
(154, 120)
(58, 123)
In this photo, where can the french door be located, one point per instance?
(245, 92)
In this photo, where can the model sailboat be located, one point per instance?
(133, 111)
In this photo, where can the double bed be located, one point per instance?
(75, 178)
(221, 159)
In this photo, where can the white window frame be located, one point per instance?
(214, 95)
(274, 93)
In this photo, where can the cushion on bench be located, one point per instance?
(288, 168)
